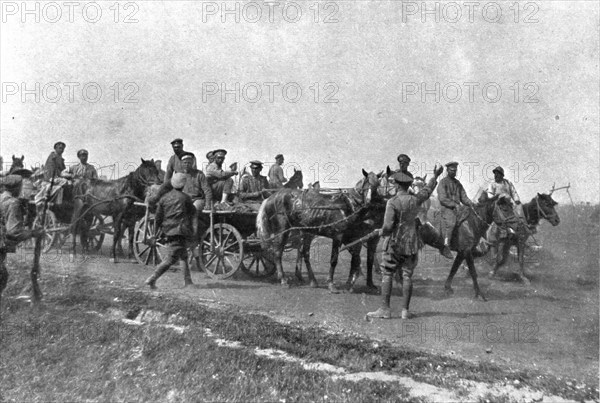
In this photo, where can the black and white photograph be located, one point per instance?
(299, 201)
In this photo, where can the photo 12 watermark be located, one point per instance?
(70, 92)
(253, 12)
(469, 92)
(270, 92)
(453, 12)
(52, 12)
(470, 332)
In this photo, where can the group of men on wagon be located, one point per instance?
(189, 190)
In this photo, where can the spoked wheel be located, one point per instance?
(51, 235)
(95, 234)
(257, 262)
(148, 246)
(222, 251)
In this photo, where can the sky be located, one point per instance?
(335, 86)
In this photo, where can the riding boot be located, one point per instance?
(187, 275)
(406, 296)
(160, 270)
(384, 312)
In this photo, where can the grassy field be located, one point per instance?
(74, 348)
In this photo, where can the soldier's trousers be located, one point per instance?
(392, 261)
(448, 222)
(220, 187)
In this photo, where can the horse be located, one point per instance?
(295, 182)
(472, 225)
(314, 214)
(115, 198)
(542, 206)
(17, 163)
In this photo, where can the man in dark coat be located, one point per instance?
(401, 240)
(175, 164)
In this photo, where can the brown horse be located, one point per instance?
(472, 224)
(114, 198)
(542, 206)
(316, 215)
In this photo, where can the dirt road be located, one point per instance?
(551, 326)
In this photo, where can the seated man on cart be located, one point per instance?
(254, 188)
(221, 181)
(197, 187)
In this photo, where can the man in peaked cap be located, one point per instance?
(12, 227)
(221, 181)
(276, 177)
(83, 170)
(401, 240)
(53, 168)
(174, 215)
(451, 194)
(253, 188)
(504, 188)
(174, 164)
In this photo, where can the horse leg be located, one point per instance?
(130, 231)
(117, 224)
(354, 266)
(299, 256)
(371, 250)
(521, 257)
(457, 261)
(306, 254)
(3, 275)
(473, 272)
(503, 249)
(335, 251)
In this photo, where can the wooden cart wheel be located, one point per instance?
(96, 234)
(222, 254)
(51, 225)
(257, 262)
(148, 245)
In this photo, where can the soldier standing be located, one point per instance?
(401, 242)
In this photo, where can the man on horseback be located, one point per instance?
(402, 241)
(451, 194)
(12, 227)
(83, 170)
(505, 189)
(404, 162)
(175, 164)
(276, 177)
(221, 181)
(174, 215)
(253, 188)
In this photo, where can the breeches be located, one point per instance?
(220, 187)
(448, 222)
(392, 261)
(175, 250)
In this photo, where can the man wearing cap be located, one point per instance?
(404, 162)
(504, 188)
(83, 170)
(174, 164)
(253, 188)
(196, 184)
(451, 194)
(276, 177)
(221, 181)
(174, 215)
(401, 240)
(12, 227)
(55, 163)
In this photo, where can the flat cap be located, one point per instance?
(401, 177)
(58, 143)
(178, 140)
(256, 164)
(82, 151)
(187, 156)
(219, 151)
(278, 156)
(499, 169)
(11, 181)
(178, 180)
(451, 164)
(403, 157)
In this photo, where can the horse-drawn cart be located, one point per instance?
(229, 244)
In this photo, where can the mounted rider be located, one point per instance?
(276, 177)
(510, 209)
(83, 170)
(451, 194)
(253, 188)
(175, 164)
(221, 181)
(402, 241)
